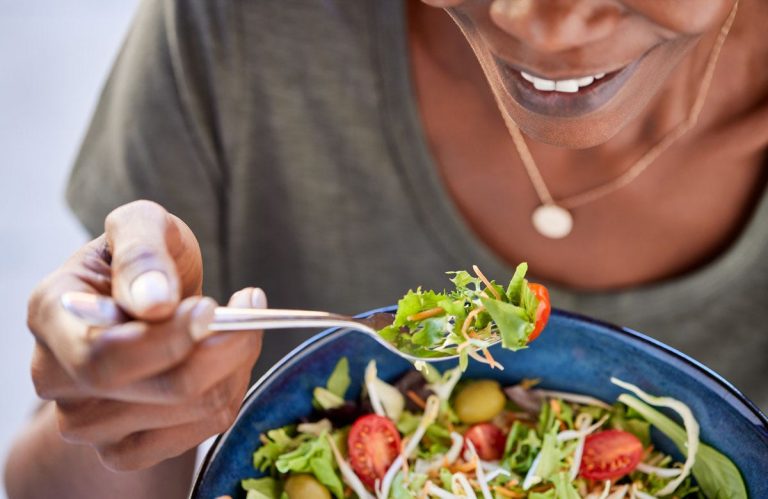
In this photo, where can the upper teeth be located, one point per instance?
(569, 86)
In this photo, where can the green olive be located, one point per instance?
(305, 487)
(479, 401)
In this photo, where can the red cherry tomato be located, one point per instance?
(542, 311)
(610, 454)
(488, 440)
(373, 444)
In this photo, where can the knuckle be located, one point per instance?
(218, 398)
(132, 453)
(39, 306)
(176, 346)
(117, 457)
(72, 427)
(40, 382)
(178, 386)
(89, 369)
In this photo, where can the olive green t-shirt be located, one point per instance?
(285, 133)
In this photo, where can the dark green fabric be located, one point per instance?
(285, 133)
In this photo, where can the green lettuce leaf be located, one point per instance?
(332, 396)
(339, 380)
(517, 283)
(512, 321)
(277, 442)
(564, 489)
(549, 462)
(717, 476)
(325, 399)
(313, 456)
(260, 488)
(414, 302)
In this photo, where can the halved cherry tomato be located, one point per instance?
(610, 454)
(373, 444)
(488, 439)
(542, 311)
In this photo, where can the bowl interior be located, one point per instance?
(574, 354)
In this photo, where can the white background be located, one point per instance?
(54, 57)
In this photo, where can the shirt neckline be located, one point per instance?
(444, 223)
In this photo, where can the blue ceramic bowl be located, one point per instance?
(574, 354)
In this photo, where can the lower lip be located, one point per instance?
(562, 104)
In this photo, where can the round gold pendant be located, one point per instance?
(552, 221)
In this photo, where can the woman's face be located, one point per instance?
(575, 72)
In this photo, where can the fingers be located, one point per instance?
(145, 280)
(125, 365)
(101, 421)
(147, 448)
(132, 351)
(178, 407)
(214, 359)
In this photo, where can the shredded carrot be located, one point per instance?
(530, 383)
(426, 314)
(512, 483)
(470, 317)
(542, 488)
(507, 493)
(555, 405)
(490, 359)
(486, 282)
(464, 467)
(416, 399)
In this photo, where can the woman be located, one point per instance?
(336, 153)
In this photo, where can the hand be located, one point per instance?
(147, 388)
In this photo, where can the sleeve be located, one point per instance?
(154, 132)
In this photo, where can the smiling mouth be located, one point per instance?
(571, 97)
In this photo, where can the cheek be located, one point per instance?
(687, 17)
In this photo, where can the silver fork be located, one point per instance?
(228, 319)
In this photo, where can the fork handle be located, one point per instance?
(245, 319)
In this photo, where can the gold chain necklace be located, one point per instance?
(552, 218)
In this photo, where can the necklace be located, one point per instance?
(553, 218)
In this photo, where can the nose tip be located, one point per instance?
(554, 25)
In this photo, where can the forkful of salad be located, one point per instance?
(429, 326)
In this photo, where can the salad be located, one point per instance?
(470, 318)
(436, 435)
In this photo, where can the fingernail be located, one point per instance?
(200, 318)
(93, 309)
(258, 298)
(150, 289)
(123, 332)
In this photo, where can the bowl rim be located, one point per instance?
(614, 329)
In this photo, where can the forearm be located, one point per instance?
(41, 464)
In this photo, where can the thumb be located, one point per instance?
(248, 298)
(145, 281)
